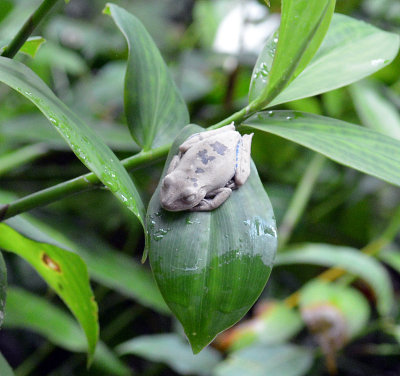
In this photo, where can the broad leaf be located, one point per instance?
(317, 297)
(83, 141)
(303, 27)
(5, 369)
(3, 288)
(30, 47)
(212, 266)
(351, 50)
(370, 152)
(262, 360)
(355, 262)
(374, 110)
(64, 271)
(27, 311)
(172, 350)
(154, 107)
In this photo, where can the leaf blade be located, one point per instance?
(154, 107)
(211, 267)
(64, 271)
(89, 148)
(303, 27)
(362, 149)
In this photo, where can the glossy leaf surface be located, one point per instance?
(173, 350)
(64, 271)
(87, 146)
(212, 266)
(365, 150)
(349, 259)
(28, 311)
(351, 304)
(154, 107)
(3, 288)
(351, 50)
(374, 110)
(303, 26)
(261, 360)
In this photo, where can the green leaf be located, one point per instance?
(27, 311)
(276, 325)
(303, 27)
(391, 257)
(89, 148)
(352, 305)
(30, 47)
(3, 288)
(261, 360)
(212, 266)
(354, 146)
(154, 107)
(64, 271)
(349, 259)
(172, 350)
(351, 50)
(5, 369)
(374, 110)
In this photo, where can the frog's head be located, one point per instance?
(179, 192)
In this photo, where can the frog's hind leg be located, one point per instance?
(193, 139)
(243, 159)
(208, 204)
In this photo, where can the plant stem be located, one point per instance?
(300, 199)
(79, 184)
(21, 156)
(90, 180)
(26, 30)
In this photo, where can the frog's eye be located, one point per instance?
(190, 198)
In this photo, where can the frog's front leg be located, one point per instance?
(197, 137)
(243, 159)
(173, 164)
(208, 204)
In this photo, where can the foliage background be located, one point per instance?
(83, 61)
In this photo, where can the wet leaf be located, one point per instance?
(365, 150)
(87, 146)
(303, 27)
(154, 107)
(212, 266)
(351, 50)
(64, 271)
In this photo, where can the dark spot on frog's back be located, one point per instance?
(199, 170)
(219, 148)
(205, 158)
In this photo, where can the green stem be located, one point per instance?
(27, 28)
(90, 180)
(21, 156)
(30, 363)
(300, 199)
(79, 184)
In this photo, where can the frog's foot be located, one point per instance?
(243, 160)
(197, 137)
(219, 196)
(231, 184)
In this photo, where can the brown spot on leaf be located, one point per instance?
(50, 263)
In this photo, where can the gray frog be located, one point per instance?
(209, 165)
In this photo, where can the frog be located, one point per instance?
(208, 166)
